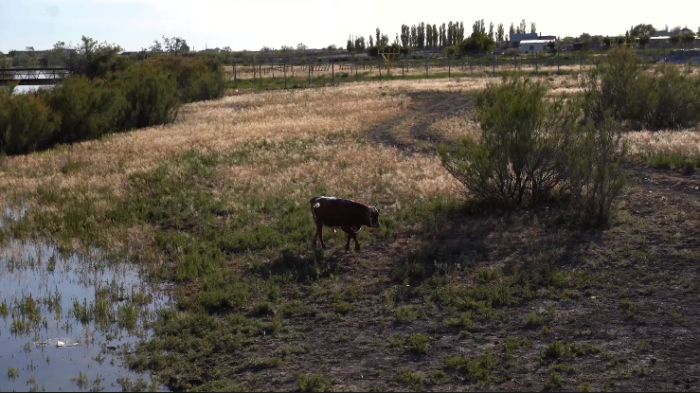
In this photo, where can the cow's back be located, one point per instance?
(337, 212)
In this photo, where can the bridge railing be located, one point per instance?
(33, 75)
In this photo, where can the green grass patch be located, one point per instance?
(313, 383)
(476, 369)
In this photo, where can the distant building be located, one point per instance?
(531, 42)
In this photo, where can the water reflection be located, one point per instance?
(65, 319)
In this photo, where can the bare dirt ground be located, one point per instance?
(625, 315)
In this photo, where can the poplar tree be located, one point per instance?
(449, 34)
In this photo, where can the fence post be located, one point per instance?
(234, 74)
(333, 74)
(309, 65)
(284, 68)
(493, 65)
(426, 66)
(254, 71)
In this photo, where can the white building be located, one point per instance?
(534, 46)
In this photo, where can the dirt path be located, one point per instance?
(411, 134)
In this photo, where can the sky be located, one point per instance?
(252, 24)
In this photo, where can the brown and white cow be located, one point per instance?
(350, 216)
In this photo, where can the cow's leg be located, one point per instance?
(357, 245)
(350, 234)
(319, 234)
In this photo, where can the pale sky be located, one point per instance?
(134, 24)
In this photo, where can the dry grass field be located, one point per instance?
(443, 296)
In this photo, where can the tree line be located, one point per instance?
(433, 36)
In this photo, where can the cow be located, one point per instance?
(350, 216)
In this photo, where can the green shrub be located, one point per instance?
(675, 102)
(87, 108)
(663, 98)
(26, 123)
(535, 149)
(314, 383)
(197, 78)
(595, 176)
(151, 95)
(518, 160)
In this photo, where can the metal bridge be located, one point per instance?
(33, 76)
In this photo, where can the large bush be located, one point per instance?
(198, 78)
(663, 97)
(534, 149)
(518, 159)
(151, 96)
(87, 109)
(26, 123)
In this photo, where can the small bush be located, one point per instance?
(314, 383)
(595, 176)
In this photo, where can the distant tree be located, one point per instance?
(371, 41)
(428, 36)
(383, 41)
(607, 42)
(436, 36)
(421, 35)
(405, 35)
(687, 37)
(156, 47)
(500, 33)
(533, 28)
(443, 35)
(450, 30)
(642, 30)
(360, 44)
(350, 46)
(460, 32)
(58, 56)
(175, 45)
(93, 59)
(302, 47)
(511, 30)
(642, 33)
(479, 41)
(491, 36)
(522, 28)
(378, 37)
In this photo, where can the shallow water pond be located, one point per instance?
(67, 319)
